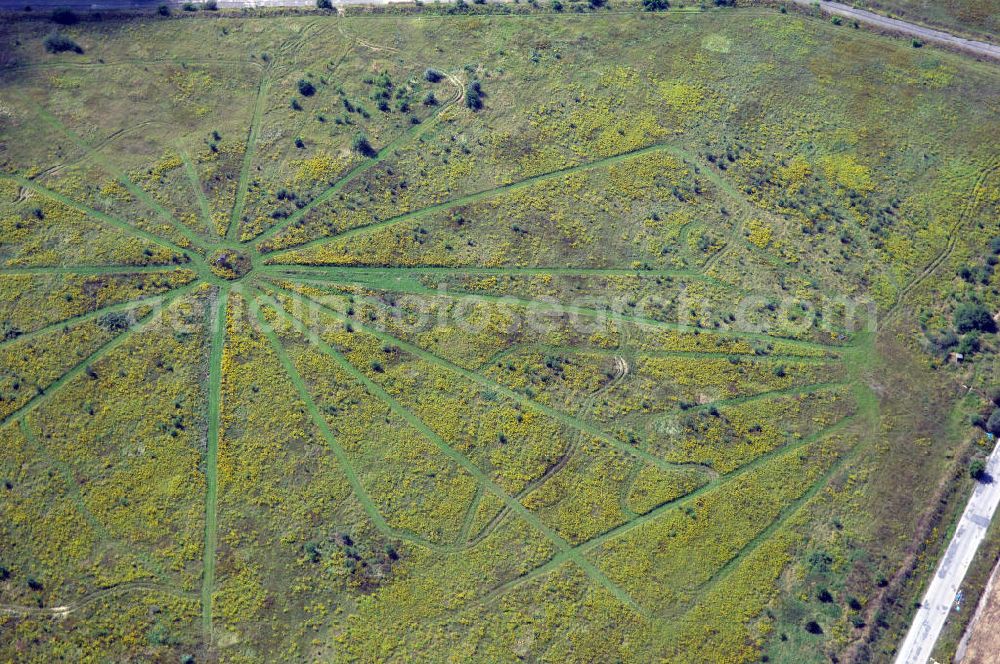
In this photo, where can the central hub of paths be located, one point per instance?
(229, 264)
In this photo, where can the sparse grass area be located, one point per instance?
(549, 337)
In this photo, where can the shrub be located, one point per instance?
(970, 344)
(977, 469)
(59, 43)
(163, 10)
(306, 89)
(995, 245)
(362, 146)
(324, 4)
(189, 7)
(556, 6)
(994, 394)
(64, 16)
(970, 316)
(116, 321)
(430, 99)
(917, 43)
(296, 106)
(211, 5)
(432, 75)
(813, 627)
(993, 423)
(299, 143)
(655, 5)
(474, 95)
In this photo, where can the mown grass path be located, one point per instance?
(559, 308)
(341, 455)
(214, 397)
(199, 191)
(100, 216)
(138, 192)
(484, 480)
(239, 203)
(78, 368)
(490, 384)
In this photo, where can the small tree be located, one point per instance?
(361, 145)
(432, 75)
(993, 423)
(474, 95)
(324, 4)
(977, 469)
(306, 89)
(970, 344)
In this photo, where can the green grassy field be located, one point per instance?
(611, 336)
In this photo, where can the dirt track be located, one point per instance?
(911, 30)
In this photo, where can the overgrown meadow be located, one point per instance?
(605, 336)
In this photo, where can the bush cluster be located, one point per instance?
(56, 42)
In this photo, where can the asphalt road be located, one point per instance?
(940, 597)
(928, 35)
